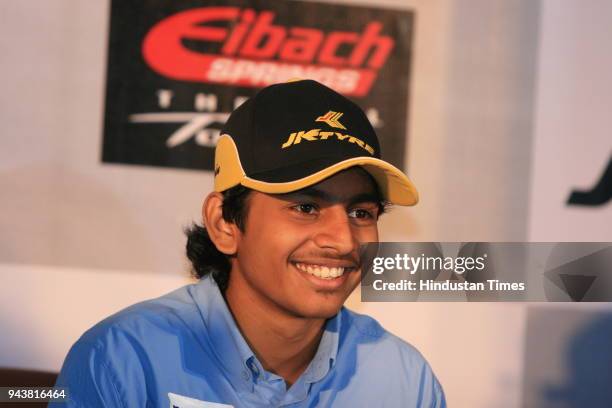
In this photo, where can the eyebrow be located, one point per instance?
(313, 192)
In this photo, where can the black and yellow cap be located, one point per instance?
(292, 135)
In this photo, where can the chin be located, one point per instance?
(320, 311)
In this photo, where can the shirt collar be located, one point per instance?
(232, 350)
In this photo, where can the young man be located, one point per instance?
(299, 185)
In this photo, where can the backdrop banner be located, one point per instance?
(176, 70)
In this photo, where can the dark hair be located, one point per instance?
(204, 256)
(202, 252)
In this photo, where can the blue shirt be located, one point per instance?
(184, 350)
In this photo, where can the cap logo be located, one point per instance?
(314, 135)
(332, 119)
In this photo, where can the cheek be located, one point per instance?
(287, 243)
(270, 248)
(366, 234)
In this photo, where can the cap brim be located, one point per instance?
(393, 183)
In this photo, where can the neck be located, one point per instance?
(284, 344)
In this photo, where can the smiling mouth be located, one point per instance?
(322, 271)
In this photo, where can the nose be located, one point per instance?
(335, 232)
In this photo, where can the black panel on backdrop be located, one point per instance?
(176, 70)
(600, 194)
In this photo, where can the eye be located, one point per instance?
(306, 208)
(361, 214)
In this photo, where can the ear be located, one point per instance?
(223, 234)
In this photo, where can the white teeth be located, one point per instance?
(321, 271)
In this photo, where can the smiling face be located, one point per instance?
(299, 252)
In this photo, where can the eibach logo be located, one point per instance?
(255, 52)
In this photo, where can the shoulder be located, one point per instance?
(145, 329)
(371, 332)
(145, 320)
(389, 362)
(110, 360)
(171, 309)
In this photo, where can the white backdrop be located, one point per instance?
(573, 140)
(493, 87)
